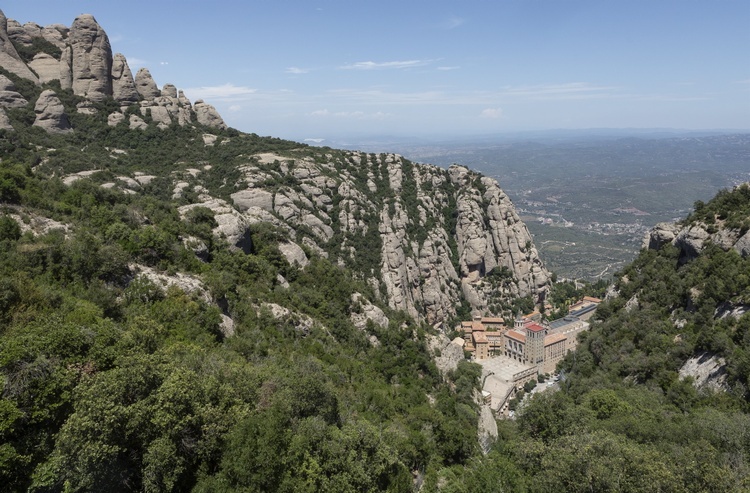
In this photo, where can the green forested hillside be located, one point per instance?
(114, 384)
(113, 381)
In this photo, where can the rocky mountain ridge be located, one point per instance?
(429, 241)
(422, 236)
(80, 58)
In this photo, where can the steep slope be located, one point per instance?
(421, 236)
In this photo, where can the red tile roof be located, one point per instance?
(534, 327)
(516, 335)
(553, 339)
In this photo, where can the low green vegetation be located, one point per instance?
(114, 379)
(119, 384)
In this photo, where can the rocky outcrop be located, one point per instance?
(448, 354)
(231, 225)
(742, 246)
(707, 371)
(57, 34)
(145, 84)
(123, 84)
(91, 59)
(294, 254)
(9, 98)
(363, 311)
(114, 119)
(87, 67)
(46, 67)
(188, 284)
(389, 216)
(18, 34)
(660, 235)
(207, 115)
(50, 114)
(692, 239)
(9, 58)
(169, 91)
(486, 428)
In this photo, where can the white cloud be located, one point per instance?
(491, 113)
(296, 70)
(448, 68)
(352, 115)
(369, 65)
(452, 22)
(235, 108)
(571, 90)
(163, 63)
(226, 92)
(136, 62)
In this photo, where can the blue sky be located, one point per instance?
(338, 68)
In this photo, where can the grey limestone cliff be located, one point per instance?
(423, 237)
(85, 65)
(91, 59)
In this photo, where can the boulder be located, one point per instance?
(123, 84)
(114, 119)
(9, 58)
(246, 199)
(137, 123)
(294, 254)
(169, 91)
(9, 98)
(91, 59)
(56, 34)
(46, 67)
(690, 241)
(207, 115)
(50, 114)
(18, 34)
(145, 84)
(660, 235)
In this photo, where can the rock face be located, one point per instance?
(46, 66)
(9, 58)
(659, 235)
(207, 115)
(390, 217)
(50, 114)
(91, 59)
(9, 98)
(87, 67)
(691, 239)
(707, 370)
(145, 84)
(123, 84)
